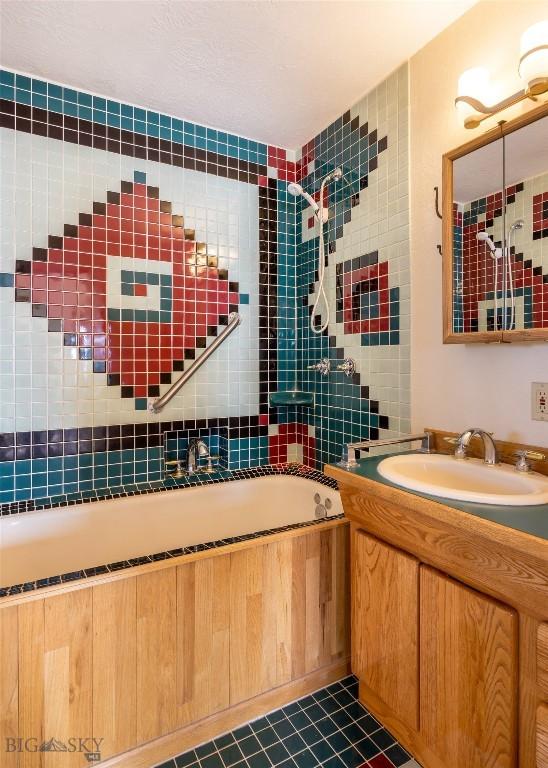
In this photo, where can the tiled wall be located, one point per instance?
(128, 237)
(367, 272)
(474, 269)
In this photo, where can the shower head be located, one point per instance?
(518, 224)
(483, 237)
(296, 190)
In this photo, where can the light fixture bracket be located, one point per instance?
(482, 111)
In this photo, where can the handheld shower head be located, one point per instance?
(483, 237)
(295, 189)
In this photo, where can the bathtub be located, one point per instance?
(42, 544)
(148, 657)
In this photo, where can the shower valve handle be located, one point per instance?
(323, 366)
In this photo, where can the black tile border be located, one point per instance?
(73, 130)
(292, 470)
(21, 446)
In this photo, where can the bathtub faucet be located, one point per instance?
(197, 449)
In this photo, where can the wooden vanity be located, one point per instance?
(449, 626)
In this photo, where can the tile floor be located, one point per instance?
(329, 728)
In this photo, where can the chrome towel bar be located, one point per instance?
(234, 321)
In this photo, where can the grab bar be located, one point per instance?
(156, 406)
(349, 458)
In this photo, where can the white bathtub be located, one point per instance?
(37, 545)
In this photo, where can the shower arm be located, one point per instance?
(234, 321)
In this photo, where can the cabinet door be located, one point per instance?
(385, 619)
(542, 736)
(468, 661)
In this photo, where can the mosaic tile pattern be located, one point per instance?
(475, 294)
(329, 728)
(367, 272)
(134, 236)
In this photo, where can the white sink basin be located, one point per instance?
(465, 479)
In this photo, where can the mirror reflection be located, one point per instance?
(500, 246)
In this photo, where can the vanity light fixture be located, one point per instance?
(474, 86)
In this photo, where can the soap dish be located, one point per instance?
(291, 397)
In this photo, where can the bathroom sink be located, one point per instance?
(465, 479)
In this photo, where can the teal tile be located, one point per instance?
(7, 78)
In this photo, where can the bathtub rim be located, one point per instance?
(133, 571)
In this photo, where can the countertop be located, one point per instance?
(531, 519)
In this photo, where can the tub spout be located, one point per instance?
(197, 449)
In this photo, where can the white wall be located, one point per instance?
(457, 386)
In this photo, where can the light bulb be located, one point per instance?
(533, 66)
(475, 84)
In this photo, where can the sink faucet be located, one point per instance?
(491, 453)
(197, 449)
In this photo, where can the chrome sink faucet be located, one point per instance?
(197, 449)
(463, 441)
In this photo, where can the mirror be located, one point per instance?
(478, 211)
(526, 172)
(495, 246)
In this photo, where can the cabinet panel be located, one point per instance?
(468, 657)
(385, 620)
(542, 657)
(542, 736)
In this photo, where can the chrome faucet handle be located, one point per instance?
(525, 457)
(348, 367)
(323, 366)
(460, 449)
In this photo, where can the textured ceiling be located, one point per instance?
(278, 72)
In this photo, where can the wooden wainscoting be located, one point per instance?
(138, 658)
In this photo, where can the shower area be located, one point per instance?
(349, 330)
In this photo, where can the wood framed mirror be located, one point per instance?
(495, 244)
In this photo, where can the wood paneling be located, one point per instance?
(133, 659)
(468, 658)
(31, 679)
(385, 623)
(68, 672)
(203, 634)
(9, 698)
(542, 736)
(156, 654)
(288, 610)
(115, 665)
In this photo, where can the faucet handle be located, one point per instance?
(179, 471)
(211, 467)
(525, 457)
(323, 366)
(348, 367)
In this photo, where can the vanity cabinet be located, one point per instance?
(385, 624)
(468, 674)
(437, 661)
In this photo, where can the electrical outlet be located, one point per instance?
(539, 399)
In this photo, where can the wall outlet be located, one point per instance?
(539, 399)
